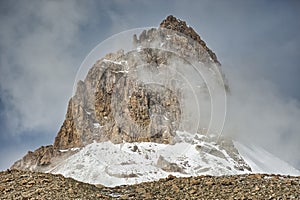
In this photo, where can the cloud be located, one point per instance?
(37, 62)
(258, 113)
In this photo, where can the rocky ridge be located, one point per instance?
(16, 184)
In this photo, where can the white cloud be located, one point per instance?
(260, 114)
(37, 62)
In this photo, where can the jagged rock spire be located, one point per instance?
(175, 24)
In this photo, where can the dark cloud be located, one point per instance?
(43, 43)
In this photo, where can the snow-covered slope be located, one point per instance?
(129, 163)
(193, 154)
(262, 161)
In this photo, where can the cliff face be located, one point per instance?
(118, 102)
(113, 104)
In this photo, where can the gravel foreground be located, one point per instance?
(16, 184)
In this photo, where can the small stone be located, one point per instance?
(193, 191)
(23, 182)
(71, 190)
(209, 182)
(195, 182)
(98, 195)
(175, 188)
(171, 177)
(140, 190)
(8, 180)
(124, 196)
(45, 181)
(147, 195)
(31, 183)
(258, 176)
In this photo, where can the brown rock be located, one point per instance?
(175, 188)
(209, 182)
(195, 182)
(140, 190)
(33, 160)
(175, 24)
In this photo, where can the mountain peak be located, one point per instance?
(142, 107)
(176, 24)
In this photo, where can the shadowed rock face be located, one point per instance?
(115, 103)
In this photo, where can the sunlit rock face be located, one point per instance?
(117, 101)
(144, 95)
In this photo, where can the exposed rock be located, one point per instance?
(32, 185)
(168, 166)
(40, 157)
(115, 102)
(175, 24)
(124, 107)
(68, 136)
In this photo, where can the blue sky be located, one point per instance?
(42, 44)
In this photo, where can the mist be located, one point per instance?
(260, 114)
(37, 71)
